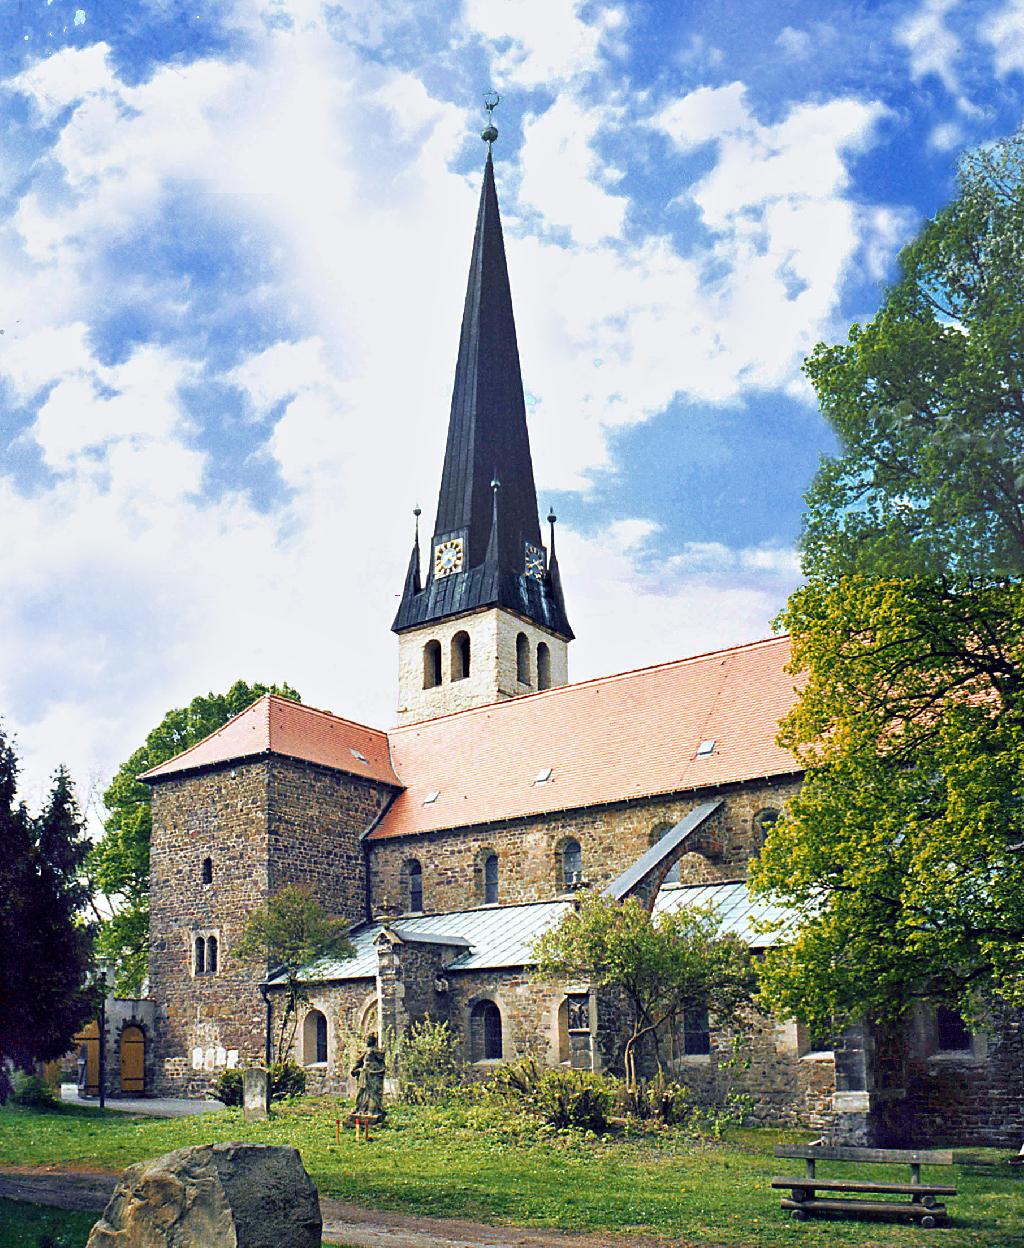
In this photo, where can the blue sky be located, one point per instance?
(234, 248)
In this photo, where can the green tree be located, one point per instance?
(45, 971)
(663, 965)
(291, 932)
(903, 850)
(119, 864)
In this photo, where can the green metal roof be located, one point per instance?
(740, 914)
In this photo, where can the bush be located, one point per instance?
(563, 1098)
(429, 1064)
(33, 1092)
(286, 1079)
(227, 1088)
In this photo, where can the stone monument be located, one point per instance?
(255, 1093)
(369, 1074)
(213, 1196)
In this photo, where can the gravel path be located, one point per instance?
(346, 1224)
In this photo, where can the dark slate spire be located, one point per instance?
(487, 442)
(413, 585)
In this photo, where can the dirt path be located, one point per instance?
(343, 1223)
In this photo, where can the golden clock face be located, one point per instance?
(448, 557)
(534, 561)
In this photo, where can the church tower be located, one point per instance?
(489, 621)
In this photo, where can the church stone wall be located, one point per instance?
(493, 673)
(222, 815)
(611, 837)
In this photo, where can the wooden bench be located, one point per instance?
(922, 1205)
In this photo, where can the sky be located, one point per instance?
(234, 240)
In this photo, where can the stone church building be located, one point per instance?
(451, 841)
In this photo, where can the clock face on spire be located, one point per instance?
(534, 561)
(448, 557)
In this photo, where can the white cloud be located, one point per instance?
(542, 42)
(1004, 31)
(65, 78)
(794, 43)
(935, 49)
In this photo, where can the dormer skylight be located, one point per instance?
(706, 747)
(544, 775)
(358, 754)
(432, 796)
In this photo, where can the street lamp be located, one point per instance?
(106, 982)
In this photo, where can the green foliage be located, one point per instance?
(32, 1091)
(47, 947)
(119, 864)
(562, 1098)
(288, 934)
(429, 1063)
(663, 965)
(903, 851)
(31, 1226)
(286, 1079)
(227, 1087)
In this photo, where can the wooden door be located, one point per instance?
(133, 1060)
(89, 1039)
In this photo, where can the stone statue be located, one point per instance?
(369, 1073)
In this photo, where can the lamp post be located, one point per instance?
(106, 981)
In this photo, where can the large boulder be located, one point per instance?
(213, 1196)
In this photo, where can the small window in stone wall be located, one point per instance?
(485, 1032)
(760, 827)
(696, 1033)
(314, 1038)
(211, 955)
(543, 666)
(951, 1032)
(199, 963)
(205, 955)
(570, 865)
(491, 879)
(523, 659)
(460, 656)
(431, 665)
(207, 870)
(412, 872)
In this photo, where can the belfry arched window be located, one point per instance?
(523, 659)
(543, 666)
(570, 864)
(460, 655)
(431, 665)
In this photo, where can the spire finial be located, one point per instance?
(551, 521)
(490, 132)
(417, 513)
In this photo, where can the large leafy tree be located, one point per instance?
(289, 934)
(119, 865)
(663, 965)
(903, 849)
(45, 971)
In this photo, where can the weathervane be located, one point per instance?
(490, 132)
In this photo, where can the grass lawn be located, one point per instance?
(31, 1226)
(494, 1166)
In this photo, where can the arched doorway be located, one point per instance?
(89, 1039)
(133, 1060)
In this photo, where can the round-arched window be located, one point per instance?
(523, 659)
(431, 665)
(761, 826)
(570, 862)
(543, 666)
(485, 1032)
(314, 1038)
(413, 881)
(460, 655)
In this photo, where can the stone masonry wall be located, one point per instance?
(351, 1012)
(315, 819)
(221, 815)
(493, 674)
(611, 837)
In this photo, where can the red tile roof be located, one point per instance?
(276, 725)
(626, 736)
(632, 735)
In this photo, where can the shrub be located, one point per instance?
(563, 1098)
(286, 1079)
(429, 1064)
(33, 1092)
(227, 1088)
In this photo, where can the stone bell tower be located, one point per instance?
(488, 622)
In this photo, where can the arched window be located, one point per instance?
(760, 826)
(413, 873)
(523, 659)
(211, 955)
(659, 831)
(200, 959)
(460, 656)
(951, 1032)
(485, 1032)
(543, 666)
(570, 864)
(431, 665)
(314, 1038)
(696, 1033)
(490, 879)
(207, 870)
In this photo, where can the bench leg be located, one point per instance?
(927, 1221)
(798, 1215)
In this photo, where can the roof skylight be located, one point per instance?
(358, 754)
(432, 796)
(544, 775)
(706, 747)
